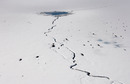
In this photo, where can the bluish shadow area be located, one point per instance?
(107, 42)
(100, 40)
(118, 46)
(56, 13)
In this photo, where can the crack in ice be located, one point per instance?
(74, 56)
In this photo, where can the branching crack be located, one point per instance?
(74, 56)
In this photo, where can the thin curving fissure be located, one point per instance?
(73, 56)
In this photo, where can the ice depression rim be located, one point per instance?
(56, 13)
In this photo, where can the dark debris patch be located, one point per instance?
(90, 44)
(66, 39)
(62, 45)
(98, 44)
(74, 61)
(82, 54)
(20, 59)
(83, 44)
(92, 47)
(120, 35)
(53, 45)
(37, 56)
(115, 36)
(124, 49)
(93, 34)
(88, 73)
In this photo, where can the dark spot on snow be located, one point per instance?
(98, 44)
(53, 27)
(82, 54)
(74, 61)
(115, 36)
(124, 49)
(93, 33)
(88, 73)
(66, 39)
(88, 41)
(53, 45)
(62, 45)
(20, 59)
(90, 44)
(83, 44)
(37, 56)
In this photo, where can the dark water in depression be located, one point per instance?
(56, 13)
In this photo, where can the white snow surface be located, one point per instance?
(101, 34)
